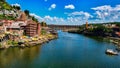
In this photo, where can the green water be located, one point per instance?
(68, 51)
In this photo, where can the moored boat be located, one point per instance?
(111, 52)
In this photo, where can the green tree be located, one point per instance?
(27, 12)
(16, 7)
(44, 24)
(43, 31)
(34, 19)
(3, 0)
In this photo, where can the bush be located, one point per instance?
(43, 32)
(9, 42)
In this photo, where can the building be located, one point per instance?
(22, 26)
(32, 28)
(86, 25)
(15, 27)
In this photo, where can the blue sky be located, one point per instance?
(71, 12)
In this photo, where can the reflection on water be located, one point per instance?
(25, 56)
(68, 51)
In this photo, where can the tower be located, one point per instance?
(87, 25)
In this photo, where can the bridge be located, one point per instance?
(64, 27)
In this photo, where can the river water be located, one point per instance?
(68, 51)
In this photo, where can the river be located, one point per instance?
(68, 51)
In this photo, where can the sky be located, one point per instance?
(71, 12)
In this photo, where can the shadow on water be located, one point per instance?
(11, 56)
(100, 39)
(97, 38)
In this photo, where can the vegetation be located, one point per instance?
(43, 32)
(5, 5)
(7, 17)
(9, 42)
(100, 28)
(117, 23)
(3, 0)
(27, 12)
(44, 24)
(0, 45)
(34, 19)
(16, 7)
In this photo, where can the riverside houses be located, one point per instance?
(20, 27)
(32, 28)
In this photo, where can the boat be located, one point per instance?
(111, 52)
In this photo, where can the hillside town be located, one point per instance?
(18, 28)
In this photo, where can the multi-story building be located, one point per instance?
(31, 29)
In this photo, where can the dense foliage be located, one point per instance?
(34, 19)
(44, 24)
(43, 31)
(5, 5)
(27, 12)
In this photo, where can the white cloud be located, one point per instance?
(64, 21)
(99, 14)
(58, 20)
(107, 12)
(16, 4)
(102, 8)
(53, 6)
(36, 16)
(53, 20)
(102, 14)
(85, 15)
(70, 6)
(49, 19)
(117, 8)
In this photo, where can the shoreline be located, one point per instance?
(113, 40)
(30, 43)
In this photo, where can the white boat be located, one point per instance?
(111, 52)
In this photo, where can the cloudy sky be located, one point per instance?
(71, 12)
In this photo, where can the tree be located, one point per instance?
(27, 12)
(16, 7)
(34, 19)
(3, 0)
(43, 24)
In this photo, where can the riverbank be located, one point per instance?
(114, 40)
(28, 42)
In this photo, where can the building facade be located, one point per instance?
(31, 29)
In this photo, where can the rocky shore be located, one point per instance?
(31, 43)
(114, 40)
